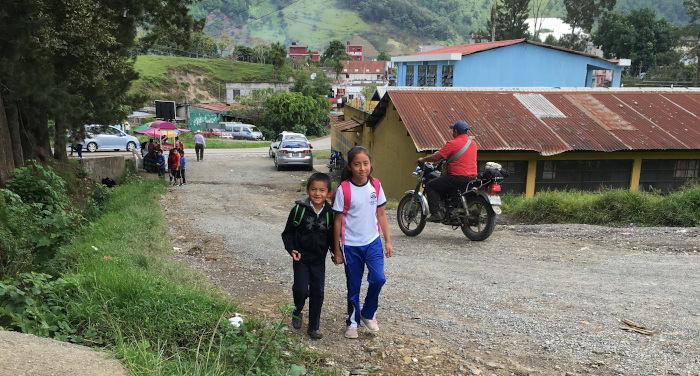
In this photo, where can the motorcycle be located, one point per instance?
(473, 206)
(336, 161)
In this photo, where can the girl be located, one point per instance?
(359, 204)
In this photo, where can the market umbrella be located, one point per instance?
(153, 132)
(160, 124)
(142, 127)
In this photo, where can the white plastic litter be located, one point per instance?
(236, 320)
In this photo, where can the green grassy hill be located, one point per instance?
(193, 80)
(396, 27)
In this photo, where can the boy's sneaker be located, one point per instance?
(296, 321)
(371, 325)
(351, 332)
(315, 334)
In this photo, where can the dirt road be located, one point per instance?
(530, 300)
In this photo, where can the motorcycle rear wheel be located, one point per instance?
(410, 216)
(480, 221)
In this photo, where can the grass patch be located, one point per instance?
(611, 207)
(123, 292)
(322, 154)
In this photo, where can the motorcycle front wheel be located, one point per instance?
(410, 215)
(480, 221)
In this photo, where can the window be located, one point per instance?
(583, 175)
(431, 78)
(667, 175)
(409, 75)
(687, 168)
(422, 74)
(447, 72)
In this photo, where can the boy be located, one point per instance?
(183, 167)
(173, 166)
(307, 237)
(160, 162)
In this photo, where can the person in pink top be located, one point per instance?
(460, 153)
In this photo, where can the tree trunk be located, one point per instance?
(7, 163)
(494, 19)
(59, 140)
(15, 138)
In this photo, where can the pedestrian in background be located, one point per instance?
(199, 145)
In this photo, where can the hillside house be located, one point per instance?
(509, 63)
(302, 52)
(364, 72)
(356, 52)
(560, 138)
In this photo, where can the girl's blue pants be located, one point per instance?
(356, 257)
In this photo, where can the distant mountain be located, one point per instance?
(393, 26)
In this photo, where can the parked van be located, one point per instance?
(243, 131)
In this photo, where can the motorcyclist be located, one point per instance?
(460, 153)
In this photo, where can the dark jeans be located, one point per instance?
(309, 283)
(79, 149)
(199, 150)
(437, 187)
(182, 175)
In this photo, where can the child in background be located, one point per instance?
(307, 237)
(183, 167)
(356, 237)
(173, 166)
(160, 163)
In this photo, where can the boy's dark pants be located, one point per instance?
(182, 175)
(309, 283)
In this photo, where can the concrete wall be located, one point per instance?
(246, 87)
(106, 167)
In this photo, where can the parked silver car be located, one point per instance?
(294, 153)
(275, 144)
(102, 137)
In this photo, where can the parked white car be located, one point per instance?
(275, 144)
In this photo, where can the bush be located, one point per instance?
(37, 184)
(611, 207)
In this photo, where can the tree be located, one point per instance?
(383, 56)
(583, 13)
(277, 55)
(537, 10)
(73, 69)
(691, 35)
(336, 51)
(638, 36)
(368, 91)
(511, 16)
(297, 111)
(319, 85)
(226, 45)
(337, 66)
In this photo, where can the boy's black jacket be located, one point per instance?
(313, 236)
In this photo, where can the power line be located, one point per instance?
(267, 14)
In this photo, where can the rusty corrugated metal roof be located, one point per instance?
(593, 119)
(466, 49)
(217, 107)
(345, 125)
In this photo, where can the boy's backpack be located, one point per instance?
(297, 221)
(345, 185)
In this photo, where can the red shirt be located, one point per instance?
(173, 161)
(179, 145)
(465, 165)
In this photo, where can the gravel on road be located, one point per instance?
(530, 300)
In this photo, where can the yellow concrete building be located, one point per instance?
(586, 139)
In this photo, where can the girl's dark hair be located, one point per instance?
(346, 174)
(319, 176)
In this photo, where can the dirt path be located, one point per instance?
(529, 300)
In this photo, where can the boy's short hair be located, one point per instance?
(319, 176)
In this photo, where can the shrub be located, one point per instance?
(37, 184)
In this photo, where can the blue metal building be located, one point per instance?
(509, 63)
